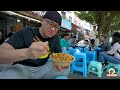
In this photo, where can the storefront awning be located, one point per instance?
(23, 16)
(74, 27)
(66, 24)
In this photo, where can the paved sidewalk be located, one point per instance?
(77, 75)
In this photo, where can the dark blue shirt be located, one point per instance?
(105, 46)
(24, 38)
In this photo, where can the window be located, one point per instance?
(63, 14)
(75, 22)
(69, 12)
(70, 19)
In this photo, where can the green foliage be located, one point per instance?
(105, 20)
(89, 16)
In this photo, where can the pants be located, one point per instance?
(103, 57)
(19, 71)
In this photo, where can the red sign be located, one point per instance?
(74, 27)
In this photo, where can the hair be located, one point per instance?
(74, 37)
(116, 38)
(65, 34)
(86, 40)
(92, 41)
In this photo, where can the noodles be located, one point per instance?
(62, 57)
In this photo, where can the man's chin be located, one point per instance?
(49, 36)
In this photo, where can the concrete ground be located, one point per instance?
(77, 75)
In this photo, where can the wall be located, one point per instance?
(86, 25)
(3, 27)
(68, 13)
(77, 19)
(10, 24)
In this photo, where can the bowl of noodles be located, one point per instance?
(62, 59)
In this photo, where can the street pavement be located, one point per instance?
(78, 75)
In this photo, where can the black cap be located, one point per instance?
(53, 15)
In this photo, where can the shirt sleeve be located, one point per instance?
(113, 49)
(16, 40)
(62, 42)
(103, 46)
(67, 44)
(57, 45)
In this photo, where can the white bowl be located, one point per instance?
(61, 62)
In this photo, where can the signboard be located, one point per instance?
(66, 24)
(74, 27)
(40, 13)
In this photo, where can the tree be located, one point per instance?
(106, 20)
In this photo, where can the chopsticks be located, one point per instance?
(36, 39)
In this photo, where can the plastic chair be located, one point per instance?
(73, 50)
(97, 48)
(114, 66)
(83, 67)
(91, 56)
(61, 77)
(66, 51)
(85, 49)
(95, 67)
(80, 49)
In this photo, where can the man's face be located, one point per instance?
(66, 37)
(49, 28)
(101, 38)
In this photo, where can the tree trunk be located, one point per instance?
(104, 20)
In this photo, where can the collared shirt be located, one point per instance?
(114, 49)
(64, 43)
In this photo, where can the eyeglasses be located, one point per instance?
(50, 23)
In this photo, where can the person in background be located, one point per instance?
(64, 42)
(83, 43)
(72, 41)
(97, 41)
(112, 55)
(93, 33)
(87, 35)
(1, 38)
(105, 44)
(24, 53)
(92, 44)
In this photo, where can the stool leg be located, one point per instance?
(84, 73)
(88, 68)
(119, 71)
(72, 68)
(99, 73)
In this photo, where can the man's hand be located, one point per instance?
(37, 49)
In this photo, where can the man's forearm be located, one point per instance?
(10, 56)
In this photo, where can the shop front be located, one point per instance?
(16, 20)
(74, 29)
(65, 27)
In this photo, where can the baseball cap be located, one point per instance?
(53, 15)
